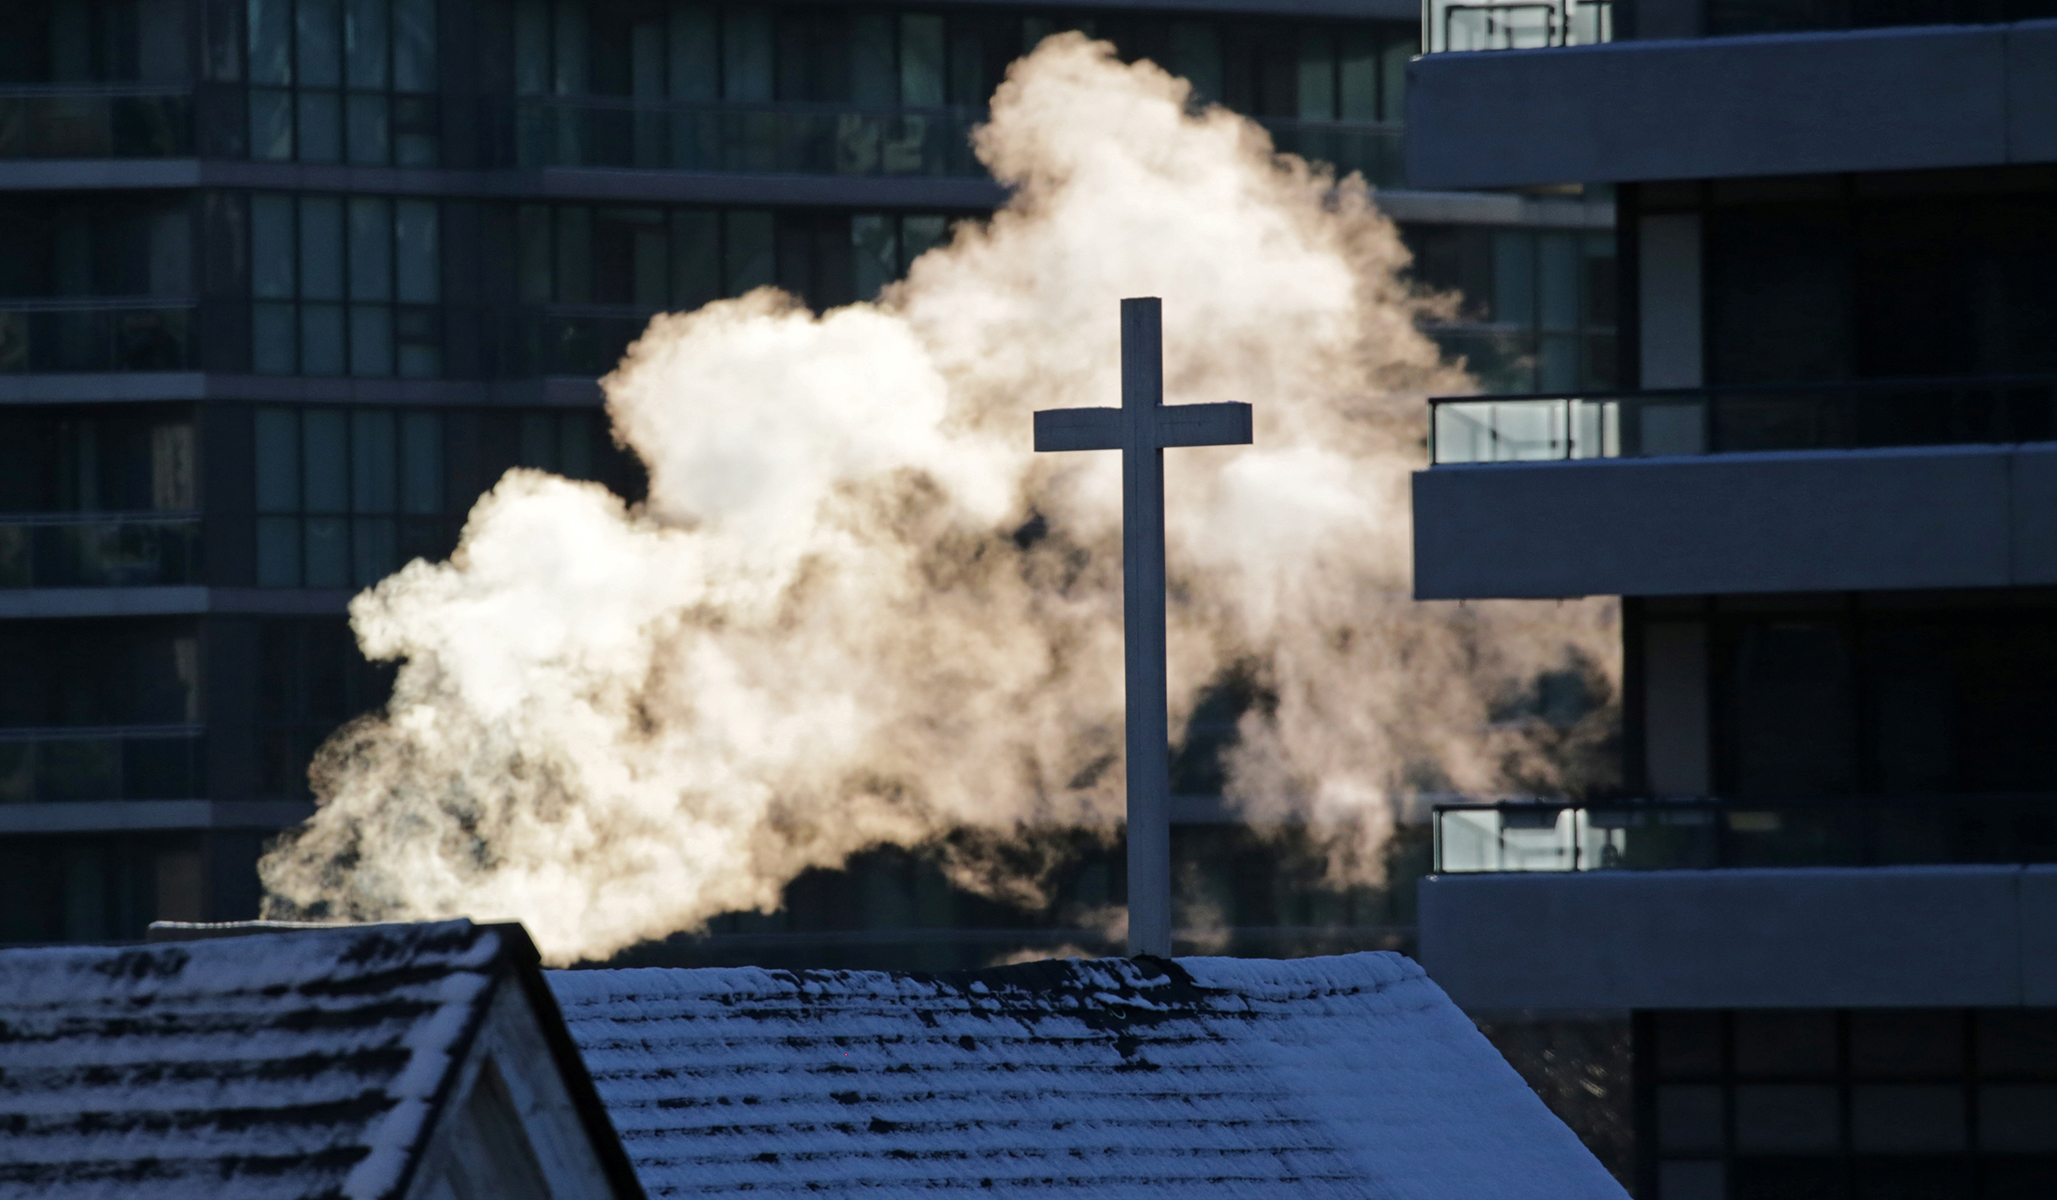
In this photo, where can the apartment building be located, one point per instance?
(1826, 492)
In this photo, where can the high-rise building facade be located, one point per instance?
(289, 283)
(1823, 914)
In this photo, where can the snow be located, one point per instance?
(1211, 1077)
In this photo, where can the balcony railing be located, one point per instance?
(96, 334)
(99, 549)
(95, 121)
(1514, 24)
(146, 762)
(1732, 420)
(1544, 835)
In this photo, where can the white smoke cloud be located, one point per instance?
(831, 625)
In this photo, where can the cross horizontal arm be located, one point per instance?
(1203, 425)
(1078, 429)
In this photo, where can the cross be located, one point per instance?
(1141, 428)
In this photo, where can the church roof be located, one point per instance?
(1200, 1077)
(309, 1063)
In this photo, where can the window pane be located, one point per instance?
(369, 131)
(574, 254)
(326, 556)
(695, 258)
(320, 128)
(1888, 1042)
(921, 60)
(2021, 1043)
(1317, 91)
(317, 43)
(371, 249)
(278, 461)
(272, 339)
(1913, 1119)
(373, 478)
(321, 248)
(532, 251)
(421, 463)
(531, 47)
(695, 70)
(1558, 257)
(364, 43)
(1358, 71)
(874, 81)
(371, 340)
(278, 552)
(747, 253)
(1393, 76)
(419, 333)
(2017, 1119)
(1196, 55)
(416, 246)
(271, 125)
(321, 339)
(649, 287)
(1688, 1044)
(918, 235)
(1691, 1181)
(746, 54)
(568, 59)
(324, 460)
(414, 45)
(539, 441)
(271, 41)
(374, 549)
(1689, 1117)
(1786, 1118)
(1795, 728)
(875, 238)
(575, 445)
(1514, 278)
(1773, 1042)
(271, 247)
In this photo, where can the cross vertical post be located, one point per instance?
(1142, 607)
(1141, 428)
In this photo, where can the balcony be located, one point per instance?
(1691, 422)
(841, 140)
(1514, 24)
(95, 121)
(96, 334)
(1646, 835)
(145, 762)
(71, 550)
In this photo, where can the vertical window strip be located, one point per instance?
(342, 81)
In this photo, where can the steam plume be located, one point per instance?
(856, 608)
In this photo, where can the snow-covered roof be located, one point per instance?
(287, 1064)
(1201, 1077)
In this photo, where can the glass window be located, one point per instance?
(574, 254)
(278, 461)
(1781, 1042)
(746, 54)
(272, 241)
(874, 76)
(371, 248)
(1393, 76)
(421, 463)
(321, 248)
(414, 45)
(321, 339)
(747, 253)
(1196, 56)
(1357, 76)
(695, 69)
(921, 60)
(1317, 78)
(1787, 1119)
(531, 47)
(1688, 1044)
(695, 258)
(920, 234)
(416, 248)
(317, 48)
(1906, 1119)
(271, 41)
(365, 43)
(1907, 1043)
(876, 240)
(1689, 1118)
(2017, 1119)
(325, 455)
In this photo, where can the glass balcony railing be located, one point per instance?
(1514, 24)
(149, 762)
(774, 139)
(1544, 835)
(94, 334)
(821, 139)
(1839, 416)
(1375, 150)
(99, 550)
(95, 121)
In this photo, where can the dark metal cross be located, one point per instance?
(1141, 428)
